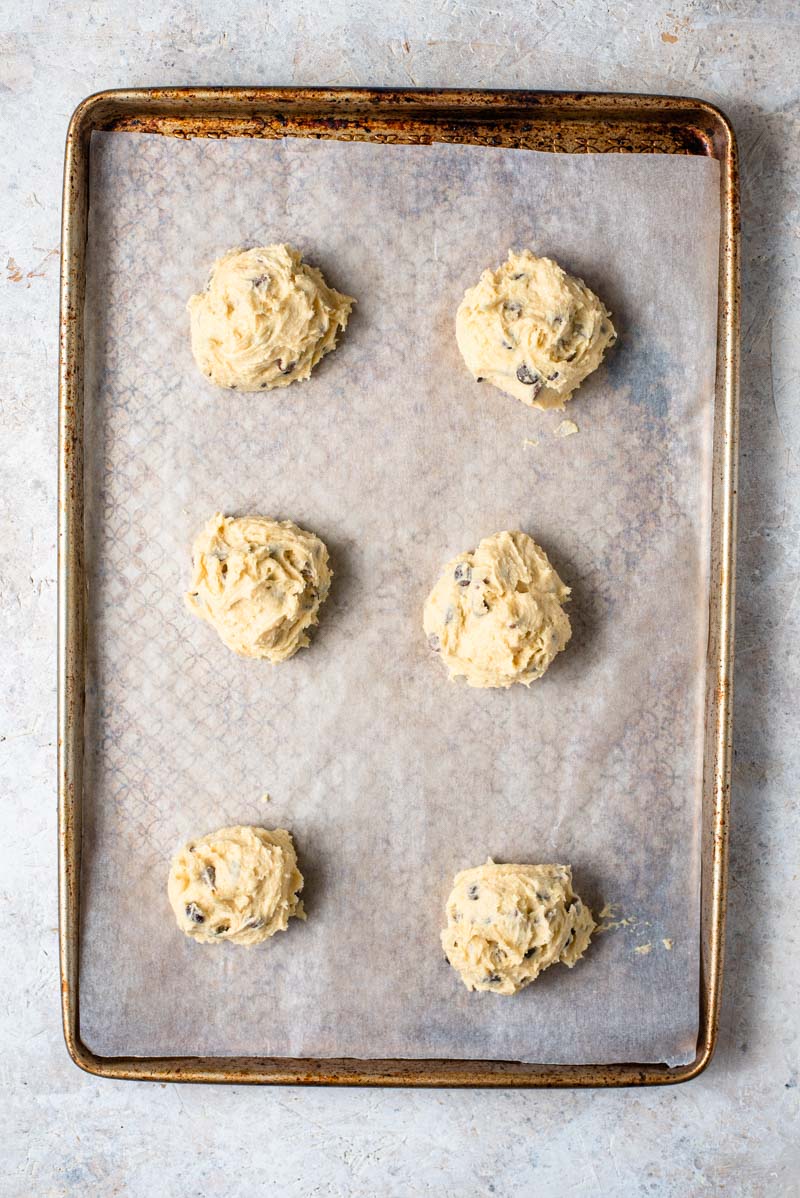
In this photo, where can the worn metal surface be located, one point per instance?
(566, 122)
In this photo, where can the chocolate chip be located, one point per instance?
(288, 368)
(572, 356)
(263, 385)
(527, 376)
(480, 379)
(493, 979)
(506, 344)
(254, 923)
(209, 876)
(463, 574)
(260, 281)
(521, 275)
(473, 891)
(512, 306)
(221, 929)
(434, 642)
(194, 913)
(552, 377)
(558, 320)
(531, 951)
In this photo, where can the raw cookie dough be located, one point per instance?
(506, 923)
(260, 583)
(495, 615)
(265, 319)
(238, 884)
(533, 330)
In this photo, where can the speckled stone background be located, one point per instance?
(735, 1130)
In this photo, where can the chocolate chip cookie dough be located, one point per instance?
(506, 923)
(239, 884)
(495, 615)
(533, 330)
(265, 319)
(260, 583)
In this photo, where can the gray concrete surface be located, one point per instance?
(734, 1131)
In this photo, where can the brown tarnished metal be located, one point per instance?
(568, 122)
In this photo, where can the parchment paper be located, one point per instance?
(391, 777)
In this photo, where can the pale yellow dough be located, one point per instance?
(259, 583)
(532, 330)
(495, 615)
(265, 319)
(506, 923)
(238, 884)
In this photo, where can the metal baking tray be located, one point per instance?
(568, 122)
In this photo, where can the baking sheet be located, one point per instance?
(391, 777)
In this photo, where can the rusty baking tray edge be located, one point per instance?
(563, 121)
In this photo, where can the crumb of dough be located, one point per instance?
(259, 583)
(266, 797)
(567, 428)
(507, 923)
(667, 944)
(609, 920)
(532, 330)
(529, 441)
(495, 616)
(265, 319)
(239, 884)
(643, 949)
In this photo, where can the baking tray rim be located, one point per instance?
(346, 113)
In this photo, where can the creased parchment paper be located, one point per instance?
(390, 777)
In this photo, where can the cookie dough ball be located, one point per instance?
(533, 330)
(260, 583)
(238, 884)
(506, 923)
(265, 319)
(495, 615)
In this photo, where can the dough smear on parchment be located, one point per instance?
(265, 319)
(260, 583)
(533, 330)
(506, 923)
(239, 884)
(495, 616)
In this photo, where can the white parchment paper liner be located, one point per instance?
(391, 777)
